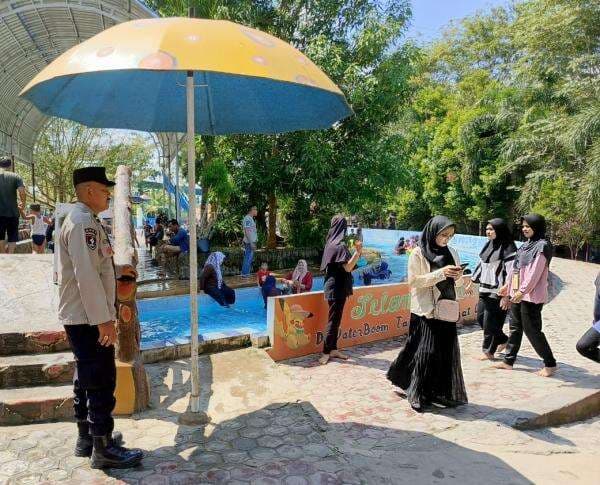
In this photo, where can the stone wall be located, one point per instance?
(24, 247)
(24, 243)
(280, 258)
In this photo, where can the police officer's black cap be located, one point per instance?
(91, 174)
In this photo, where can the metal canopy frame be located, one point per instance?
(32, 34)
(168, 146)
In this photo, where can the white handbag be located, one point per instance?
(445, 310)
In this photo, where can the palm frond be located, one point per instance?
(584, 127)
(589, 193)
(531, 189)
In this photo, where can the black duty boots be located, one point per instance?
(106, 454)
(84, 444)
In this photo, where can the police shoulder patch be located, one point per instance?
(91, 238)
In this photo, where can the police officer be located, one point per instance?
(87, 286)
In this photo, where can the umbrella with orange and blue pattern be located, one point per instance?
(133, 76)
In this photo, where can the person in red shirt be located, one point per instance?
(262, 273)
(300, 280)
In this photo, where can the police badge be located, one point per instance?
(91, 238)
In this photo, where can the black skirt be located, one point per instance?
(429, 365)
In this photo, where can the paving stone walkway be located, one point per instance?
(301, 423)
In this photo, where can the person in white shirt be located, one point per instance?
(38, 228)
(250, 239)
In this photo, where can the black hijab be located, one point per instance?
(500, 247)
(438, 256)
(536, 244)
(335, 251)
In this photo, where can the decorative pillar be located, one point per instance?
(133, 389)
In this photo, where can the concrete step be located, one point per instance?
(36, 369)
(27, 405)
(40, 342)
(582, 404)
(577, 403)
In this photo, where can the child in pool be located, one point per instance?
(262, 273)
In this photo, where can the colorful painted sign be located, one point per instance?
(297, 322)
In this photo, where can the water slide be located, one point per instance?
(183, 196)
(170, 188)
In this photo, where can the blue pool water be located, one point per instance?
(166, 320)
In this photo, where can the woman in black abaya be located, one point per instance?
(428, 369)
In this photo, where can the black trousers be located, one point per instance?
(589, 345)
(527, 317)
(491, 319)
(336, 308)
(223, 296)
(95, 379)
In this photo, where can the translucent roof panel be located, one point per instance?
(32, 34)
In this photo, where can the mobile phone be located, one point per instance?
(464, 265)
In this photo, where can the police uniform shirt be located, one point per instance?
(86, 275)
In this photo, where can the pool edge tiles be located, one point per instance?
(165, 350)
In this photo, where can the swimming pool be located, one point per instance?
(166, 320)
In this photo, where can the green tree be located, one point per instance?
(64, 146)
(557, 202)
(507, 101)
(558, 42)
(347, 168)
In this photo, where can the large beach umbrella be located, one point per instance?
(188, 75)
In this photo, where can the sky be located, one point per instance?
(429, 17)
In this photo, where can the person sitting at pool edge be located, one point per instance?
(262, 273)
(178, 243)
(157, 234)
(269, 288)
(211, 280)
(300, 280)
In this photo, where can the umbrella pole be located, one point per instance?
(193, 415)
(191, 155)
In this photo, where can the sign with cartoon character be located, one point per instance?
(291, 330)
(297, 322)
